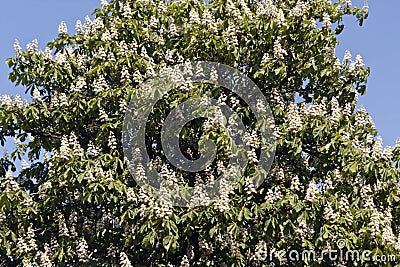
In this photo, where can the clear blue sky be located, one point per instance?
(378, 41)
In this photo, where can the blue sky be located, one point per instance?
(378, 41)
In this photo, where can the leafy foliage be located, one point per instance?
(79, 205)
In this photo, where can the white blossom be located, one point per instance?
(45, 257)
(208, 20)
(261, 251)
(17, 47)
(79, 85)
(112, 141)
(294, 119)
(326, 21)
(124, 260)
(33, 46)
(127, 11)
(185, 262)
(274, 195)
(230, 35)
(336, 111)
(100, 85)
(78, 26)
(82, 250)
(194, 17)
(377, 152)
(312, 192)
(24, 165)
(62, 28)
(347, 57)
(279, 52)
(36, 95)
(295, 183)
(299, 9)
(103, 3)
(330, 214)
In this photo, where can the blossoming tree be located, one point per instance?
(74, 203)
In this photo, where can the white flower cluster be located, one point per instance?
(62, 28)
(8, 183)
(295, 183)
(93, 151)
(59, 100)
(200, 192)
(336, 111)
(45, 257)
(124, 260)
(230, 35)
(215, 122)
(17, 47)
(70, 146)
(365, 6)
(274, 195)
(261, 251)
(326, 21)
(162, 208)
(125, 75)
(269, 8)
(312, 192)
(194, 18)
(345, 208)
(232, 9)
(347, 3)
(62, 226)
(225, 190)
(112, 141)
(79, 85)
(357, 65)
(79, 27)
(206, 247)
(329, 213)
(303, 230)
(317, 109)
(380, 225)
(43, 189)
(33, 46)
(27, 242)
(140, 173)
(94, 27)
(249, 186)
(294, 120)
(299, 9)
(378, 152)
(185, 262)
(100, 85)
(131, 195)
(82, 250)
(279, 52)
(36, 95)
(103, 3)
(3, 216)
(347, 57)
(207, 20)
(337, 176)
(366, 197)
(10, 101)
(24, 165)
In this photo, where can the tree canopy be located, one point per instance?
(73, 201)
